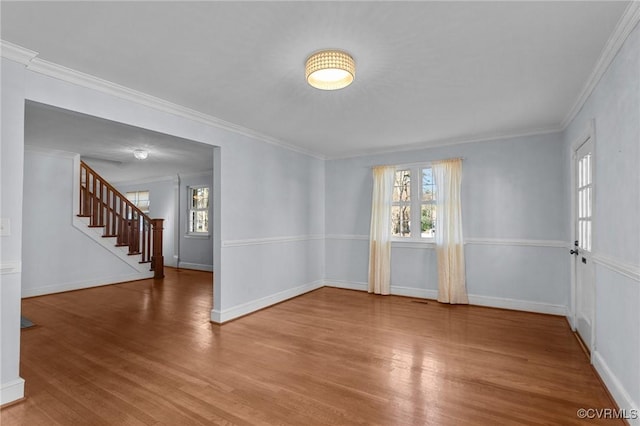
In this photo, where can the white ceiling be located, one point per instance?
(427, 73)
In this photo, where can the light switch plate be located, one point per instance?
(5, 227)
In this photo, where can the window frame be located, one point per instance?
(415, 203)
(136, 200)
(191, 209)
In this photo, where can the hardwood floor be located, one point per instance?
(144, 353)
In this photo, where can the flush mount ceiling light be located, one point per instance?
(330, 70)
(141, 154)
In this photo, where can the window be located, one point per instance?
(585, 189)
(140, 199)
(413, 203)
(198, 210)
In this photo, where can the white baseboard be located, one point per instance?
(196, 266)
(220, 317)
(12, 391)
(493, 302)
(79, 285)
(617, 390)
(348, 285)
(518, 305)
(570, 321)
(420, 293)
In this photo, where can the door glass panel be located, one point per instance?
(584, 202)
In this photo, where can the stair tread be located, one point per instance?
(109, 236)
(83, 215)
(133, 253)
(96, 226)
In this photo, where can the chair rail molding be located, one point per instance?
(474, 241)
(621, 267)
(271, 240)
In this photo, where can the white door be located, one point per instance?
(583, 221)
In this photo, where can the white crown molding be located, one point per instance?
(57, 153)
(195, 174)
(447, 142)
(625, 26)
(60, 72)
(29, 58)
(271, 240)
(173, 178)
(16, 53)
(623, 268)
(50, 152)
(143, 181)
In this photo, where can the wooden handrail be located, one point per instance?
(106, 207)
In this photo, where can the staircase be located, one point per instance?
(117, 221)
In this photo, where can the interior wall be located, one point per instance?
(614, 109)
(273, 224)
(513, 223)
(57, 256)
(11, 160)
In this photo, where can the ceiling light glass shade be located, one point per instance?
(140, 154)
(330, 70)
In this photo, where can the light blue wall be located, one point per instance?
(283, 190)
(273, 222)
(614, 107)
(512, 191)
(11, 178)
(57, 256)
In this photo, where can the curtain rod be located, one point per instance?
(421, 163)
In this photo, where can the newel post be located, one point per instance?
(157, 260)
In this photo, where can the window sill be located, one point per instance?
(198, 236)
(426, 244)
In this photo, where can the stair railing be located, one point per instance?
(107, 208)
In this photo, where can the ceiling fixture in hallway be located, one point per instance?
(141, 154)
(330, 70)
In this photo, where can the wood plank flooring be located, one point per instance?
(144, 353)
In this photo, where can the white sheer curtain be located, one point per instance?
(380, 235)
(452, 286)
